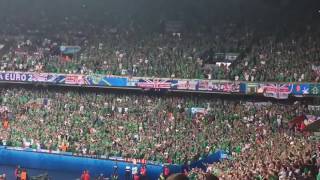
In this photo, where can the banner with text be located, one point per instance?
(274, 90)
(16, 76)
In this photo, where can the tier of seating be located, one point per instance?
(178, 130)
(257, 56)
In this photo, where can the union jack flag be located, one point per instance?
(154, 84)
(278, 91)
(39, 77)
(183, 85)
(203, 85)
(75, 79)
(227, 87)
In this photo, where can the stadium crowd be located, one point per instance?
(130, 52)
(118, 52)
(291, 58)
(161, 129)
(277, 156)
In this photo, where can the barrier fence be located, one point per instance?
(268, 89)
(30, 158)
